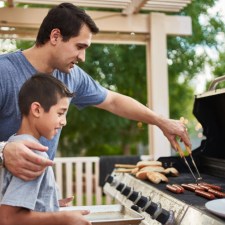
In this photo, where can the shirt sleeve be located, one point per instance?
(87, 90)
(21, 193)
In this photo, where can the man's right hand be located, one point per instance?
(24, 163)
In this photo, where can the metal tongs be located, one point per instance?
(181, 153)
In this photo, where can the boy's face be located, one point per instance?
(50, 122)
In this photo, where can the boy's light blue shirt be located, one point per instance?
(39, 195)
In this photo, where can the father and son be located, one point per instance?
(37, 87)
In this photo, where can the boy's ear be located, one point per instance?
(36, 109)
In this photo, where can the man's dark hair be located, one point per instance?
(69, 19)
(42, 88)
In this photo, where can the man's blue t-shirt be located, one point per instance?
(15, 69)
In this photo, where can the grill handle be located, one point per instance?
(215, 82)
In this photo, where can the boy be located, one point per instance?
(43, 103)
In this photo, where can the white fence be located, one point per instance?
(79, 177)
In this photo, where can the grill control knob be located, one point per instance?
(134, 195)
(151, 209)
(163, 216)
(126, 191)
(135, 208)
(120, 187)
(158, 213)
(142, 201)
(109, 179)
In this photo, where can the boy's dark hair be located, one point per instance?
(68, 18)
(42, 88)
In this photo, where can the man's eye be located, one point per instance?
(79, 47)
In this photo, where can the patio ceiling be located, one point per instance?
(124, 6)
(128, 24)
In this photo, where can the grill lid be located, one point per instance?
(209, 109)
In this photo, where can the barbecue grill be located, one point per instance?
(160, 206)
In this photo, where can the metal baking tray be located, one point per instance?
(109, 214)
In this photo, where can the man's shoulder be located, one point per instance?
(9, 55)
(8, 60)
(74, 79)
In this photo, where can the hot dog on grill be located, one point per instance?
(173, 189)
(178, 187)
(197, 187)
(188, 187)
(206, 188)
(212, 186)
(205, 194)
(218, 194)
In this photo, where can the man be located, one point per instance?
(62, 40)
(43, 103)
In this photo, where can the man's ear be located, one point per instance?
(55, 35)
(36, 109)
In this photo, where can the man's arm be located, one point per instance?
(10, 215)
(129, 108)
(24, 163)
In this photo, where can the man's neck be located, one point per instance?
(39, 59)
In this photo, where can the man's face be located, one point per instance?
(68, 53)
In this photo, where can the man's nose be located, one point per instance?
(81, 56)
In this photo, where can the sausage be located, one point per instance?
(218, 194)
(197, 187)
(206, 188)
(188, 187)
(173, 189)
(212, 186)
(178, 187)
(205, 194)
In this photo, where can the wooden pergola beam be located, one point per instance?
(134, 7)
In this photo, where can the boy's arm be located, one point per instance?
(10, 215)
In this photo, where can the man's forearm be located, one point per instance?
(129, 108)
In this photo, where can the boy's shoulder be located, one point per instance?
(27, 137)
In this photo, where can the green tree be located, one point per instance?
(120, 68)
(219, 67)
(184, 60)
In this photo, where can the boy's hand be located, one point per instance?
(65, 201)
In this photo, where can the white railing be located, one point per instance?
(79, 177)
